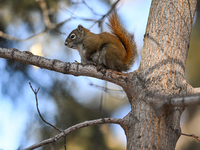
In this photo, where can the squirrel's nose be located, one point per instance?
(65, 43)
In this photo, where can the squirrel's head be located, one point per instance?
(75, 37)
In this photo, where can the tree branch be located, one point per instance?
(12, 38)
(75, 127)
(183, 101)
(75, 69)
(173, 101)
(191, 135)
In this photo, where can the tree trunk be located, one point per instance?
(161, 72)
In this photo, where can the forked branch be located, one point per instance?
(63, 133)
(36, 92)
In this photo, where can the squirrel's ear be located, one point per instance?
(80, 29)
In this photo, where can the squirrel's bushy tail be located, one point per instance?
(128, 42)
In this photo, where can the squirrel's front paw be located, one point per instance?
(99, 67)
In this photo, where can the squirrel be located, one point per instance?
(115, 51)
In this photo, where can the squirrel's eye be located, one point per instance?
(73, 36)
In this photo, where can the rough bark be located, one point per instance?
(161, 72)
(75, 69)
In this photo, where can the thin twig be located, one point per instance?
(101, 102)
(36, 92)
(65, 145)
(91, 9)
(107, 14)
(12, 38)
(106, 89)
(191, 135)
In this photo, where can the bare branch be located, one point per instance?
(183, 101)
(90, 8)
(36, 92)
(99, 21)
(6, 36)
(196, 90)
(75, 69)
(12, 38)
(191, 135)
(75, 127)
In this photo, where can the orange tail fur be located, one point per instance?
(128, 42)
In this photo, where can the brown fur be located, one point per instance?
(126, 40)
(116, 52)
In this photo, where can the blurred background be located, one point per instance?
(41, 26)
